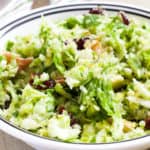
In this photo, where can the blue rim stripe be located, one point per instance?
(72, 5)
(61, 11)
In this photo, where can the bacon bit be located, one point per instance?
(23, 62)
(147, 123)
(8, 56)
(60, 80)
(124, 18)
(96, 11)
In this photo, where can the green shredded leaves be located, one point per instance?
(91, 22)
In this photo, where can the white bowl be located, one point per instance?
(30, 23)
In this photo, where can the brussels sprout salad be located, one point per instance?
(85, 79)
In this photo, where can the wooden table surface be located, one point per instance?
(9, 143)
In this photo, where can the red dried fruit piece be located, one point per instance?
(23, 62)
(96, 11)
(80, 43)
(73, 121)
(31, 82)
(124, 18)
(147, 123)
(49, 84)
(61, 109)
(39, 87)
(46, 85)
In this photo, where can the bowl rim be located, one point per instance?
(53, 9)
(34, 14)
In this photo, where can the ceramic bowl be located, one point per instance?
(29, 23)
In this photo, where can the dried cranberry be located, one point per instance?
(61, 109)
(39, 87)
(80, 43)
(147, 123)
(73, 121)
(46, 85)
(31, 81)
(96, 11)
(124, 18)
(7, 104)
(50, 83)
